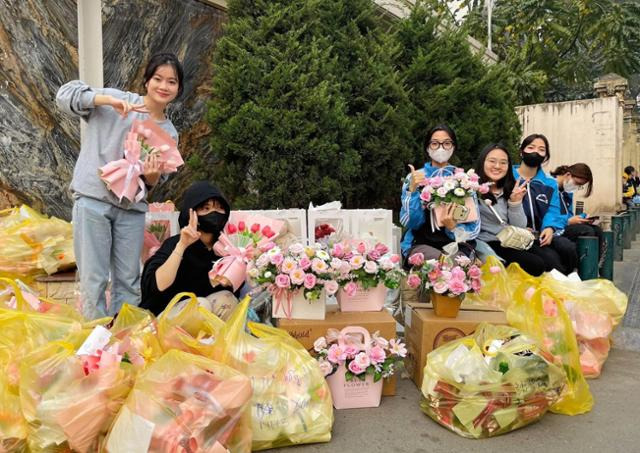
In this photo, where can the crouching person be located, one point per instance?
(182, 263)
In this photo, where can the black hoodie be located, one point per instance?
(197, 260)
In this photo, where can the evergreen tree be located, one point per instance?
(451, 85)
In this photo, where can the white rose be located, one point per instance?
(449, 185)
(254, 273)
(296, 249)
(442, 192)
(274, 251)
(370, 267)
(267, 274)
(322, 255)
(459, 192)
(320, 344)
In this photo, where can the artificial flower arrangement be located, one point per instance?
(459, 189)
(145, 138)
(238, 244)
(447, 278)
(299, 270)
(156, 230)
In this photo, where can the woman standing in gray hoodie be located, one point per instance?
(505, 197)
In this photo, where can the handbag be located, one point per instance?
(510, 236)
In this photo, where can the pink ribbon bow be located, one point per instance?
(232, 268)
(123, 176)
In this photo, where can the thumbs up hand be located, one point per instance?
(416, 178)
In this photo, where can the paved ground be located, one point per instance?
(613, 425)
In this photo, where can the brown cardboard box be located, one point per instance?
(424, 332)
(306, 331)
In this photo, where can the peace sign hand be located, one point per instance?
(189, 234)
(519, 191)
(416, 178)
(124, 108)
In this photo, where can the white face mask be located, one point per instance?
(440, 155)
(570, 186)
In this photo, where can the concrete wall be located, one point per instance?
(589, 131)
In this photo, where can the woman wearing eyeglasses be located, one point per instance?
(572, 179)
(422, 235)
(542, 206)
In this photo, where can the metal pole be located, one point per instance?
(606, 271)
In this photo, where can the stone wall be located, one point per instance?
(588, 131)
(38, 53)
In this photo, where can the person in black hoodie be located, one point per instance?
(182, 263)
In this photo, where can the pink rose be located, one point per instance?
(381, 248)
(356, 262)
(288, 265)
(361, 248)
(457, 287)
(296, 249)
(476, 285)
(318, 266)
(457, 273)
(442, 192)
(362, 359)
(377, 355)
(462, 260)
(475, 272)
(370, 267)
(351, 351)
(268, 246)
(338, 250)
(354, 368)
(297, 276)
(351, 288)
(336, 263)
(440, 287)
(345, 268)
(276, 259)
(331, 287)
(434, 275)
(473, 176)
(335, 354)
(413, 280)
(304, 263)
(374, 255)
(283, 281)
(417, 259)
(395, 258)
(325, 367)
(310, 281)
(483, 189)
(436, 181)
(425, 196)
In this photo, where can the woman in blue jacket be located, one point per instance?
(542, 206)
(421, 234)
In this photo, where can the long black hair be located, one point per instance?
(160, 59)
(507, 183)
(527, 141)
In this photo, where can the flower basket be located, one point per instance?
(355, 393)
(371, 299)
(293, 305)
(445, 306)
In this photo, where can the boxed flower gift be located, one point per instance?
(298, 278)
(448, 279)
(364, 273)
(460, 189)
(354, 363)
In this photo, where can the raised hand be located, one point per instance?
(447, 220)
(519, 191)
(124, 108)
(189, 234)
(152, 169)
(416, 178)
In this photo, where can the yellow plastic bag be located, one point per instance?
(496, 291)
(184, 402)
(489, 383)
(136, 329)
(13, 426)
(69, 399)
(32, 244)
(190, 328)
(541, 315)
(291, 401)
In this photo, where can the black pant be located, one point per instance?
(529, 261)
(573, 232)
(561, 254)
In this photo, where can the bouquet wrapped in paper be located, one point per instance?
(156, 230)
(489, 383)
(32, 244)
(238, 244)
(184, 403)
(124, 176)
(291, 401)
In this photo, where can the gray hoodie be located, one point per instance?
(511, 213)
(104, 138)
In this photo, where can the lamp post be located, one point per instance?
(489, 5)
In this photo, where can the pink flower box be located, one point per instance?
(293, 305)
(355, 394)
(363, 300)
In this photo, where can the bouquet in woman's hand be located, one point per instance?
(145, 138)
(238, 244)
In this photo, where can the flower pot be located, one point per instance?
(371, 299)
(445, 306)
(293, 305)
(354, 394)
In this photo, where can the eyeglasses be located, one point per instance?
(446, 144)
(498, 163)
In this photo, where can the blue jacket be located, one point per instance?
(413, 214)
(542, 202)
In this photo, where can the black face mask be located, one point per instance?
(212, 223)
(532, 159)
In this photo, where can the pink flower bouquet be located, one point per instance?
(124, 176)
(459, 188)
(238, 245)
(453, 277)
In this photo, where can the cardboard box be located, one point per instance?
(424, 332)
(307, 331)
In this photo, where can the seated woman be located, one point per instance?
(422, 235)
(571, 179)
(183, 261)
(505, 198)
(629, 185)
(542, 206)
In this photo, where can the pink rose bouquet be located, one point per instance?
(379, 358)
(450, 276)
(358, 264)
(452, 189)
